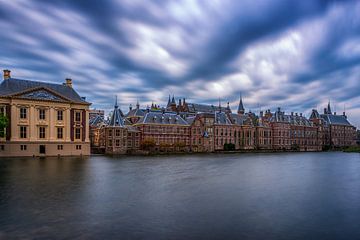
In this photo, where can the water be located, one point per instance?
(233, 196)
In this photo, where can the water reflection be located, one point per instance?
(250, 196)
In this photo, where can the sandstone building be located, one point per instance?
(45, 119)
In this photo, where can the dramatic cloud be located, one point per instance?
(292, 54)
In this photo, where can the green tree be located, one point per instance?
(147, 144)
(4, 121)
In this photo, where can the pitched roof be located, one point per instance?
(335, 119)
(12, 86)
(198, 108)
(239, 119)
(136, 113)
(160, 117)
(96, 120)
(222, 118)
(116, 118)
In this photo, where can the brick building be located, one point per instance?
(337, 131)
(168, 131)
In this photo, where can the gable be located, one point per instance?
(41, 94)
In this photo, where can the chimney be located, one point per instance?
(334, 113)
(68, 82)
(292, 113)
(300, 114)
(261, 113)
(7, 74)
(344, 115)
(179, 102)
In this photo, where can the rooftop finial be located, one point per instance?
(329, 108)
(219, 105)
(116, 102)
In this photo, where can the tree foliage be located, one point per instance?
(229, 147)
(4, 122)
(147, 144)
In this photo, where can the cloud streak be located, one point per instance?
(296, 55)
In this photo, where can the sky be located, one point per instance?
(296, 55)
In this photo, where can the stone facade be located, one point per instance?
(44, 119)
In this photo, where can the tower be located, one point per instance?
(241, 109)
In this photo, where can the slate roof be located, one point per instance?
(116, 119)
(335, 119)
(197, 108)
(222, 118)
(238, 119)
(96, 120)
(136, 112)
(293, 119)
(190, 120)
(314, 114)
(14, 86)
(160, 117)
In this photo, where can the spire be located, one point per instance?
(241, 109)
(137, 104)
(116, 118)
(173, 100)
(169, 102)
(329, 108)
(219, 105)
(116, 102)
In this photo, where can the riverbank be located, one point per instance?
(355, 149)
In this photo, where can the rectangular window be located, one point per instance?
(23, 147)
(117, 142)
(77, 133)
(60, 115)
(2, 110)
(78, 147)
(23, 112)
(60, 147)
(77, 116)
(117, 132)
(41, 132)
(60, 131)
(23, 132)
(42, 114)
(2, 147)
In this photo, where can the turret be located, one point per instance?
(241, 109)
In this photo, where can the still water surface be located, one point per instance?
(232, 196)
